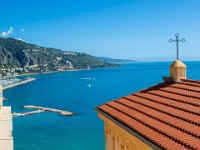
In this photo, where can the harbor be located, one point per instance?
(42, 109)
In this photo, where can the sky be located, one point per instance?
(127, 29)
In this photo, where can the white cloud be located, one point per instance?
(7, 33)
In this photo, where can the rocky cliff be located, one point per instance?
(21, 57)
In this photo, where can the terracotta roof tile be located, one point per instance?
(166, 115)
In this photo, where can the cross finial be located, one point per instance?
(177, 40)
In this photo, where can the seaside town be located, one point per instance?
(12, 81)
(100, 75)
(10, 77)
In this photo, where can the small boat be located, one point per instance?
(89, 85)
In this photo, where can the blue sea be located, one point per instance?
(79, 92)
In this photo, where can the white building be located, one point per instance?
(6, 128)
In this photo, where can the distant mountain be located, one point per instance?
(115, 61)
(20, 57)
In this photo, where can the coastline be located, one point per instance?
(48, 72)
(19, 83)
(33, 79)
(27, 74)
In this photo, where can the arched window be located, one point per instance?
(127, 145)
(117, 142)
(109, 144)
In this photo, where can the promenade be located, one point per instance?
(19, 83)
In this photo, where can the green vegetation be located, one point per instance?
(20, 57)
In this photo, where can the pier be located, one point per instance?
(42, 109)
(19, 83)
(27, 113)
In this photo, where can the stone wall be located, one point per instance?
(6, 126)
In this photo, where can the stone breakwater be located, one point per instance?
(27, 113)
(42, 109)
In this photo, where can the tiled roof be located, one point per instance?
(166, 115)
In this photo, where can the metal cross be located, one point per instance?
(177, 40)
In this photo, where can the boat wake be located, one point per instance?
(87, 78)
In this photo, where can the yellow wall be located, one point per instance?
(117, 138)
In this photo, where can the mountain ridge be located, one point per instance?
(18, 57)
(116, 61)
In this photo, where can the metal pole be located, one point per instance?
(177, 46)
(177, 40)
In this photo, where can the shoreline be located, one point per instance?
(49, 72)
(32, 79)
(19, 83)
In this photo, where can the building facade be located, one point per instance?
(6, 127)
(118, 138)
(164, 116)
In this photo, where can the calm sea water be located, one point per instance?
(70, 91)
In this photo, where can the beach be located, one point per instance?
(19, 83)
